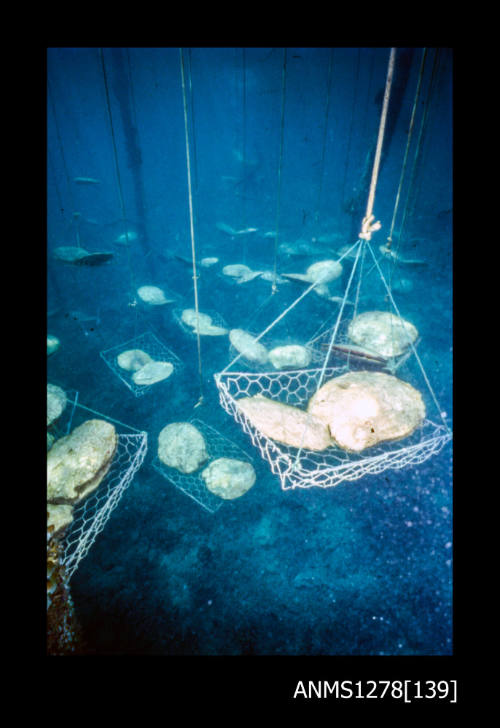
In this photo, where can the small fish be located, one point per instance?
(86, 181)
(357, 352)
(94, 259)
(82, 317)
(301, 248)
(392, 255)
(184, 260)
(346, 252)
(247, 230)
(223, 227)
(329, 238)
(267, 275)
(207, 262)
(127, 237)
(339, 299)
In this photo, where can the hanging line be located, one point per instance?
(193, 126)
(280, 165)
(403, 167)
(368, 226)
(133, 302)
(325, 131)
(191, 226)
(418, 150)
(244, 215)
(408, 142)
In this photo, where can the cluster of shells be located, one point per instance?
(145, 369)
(183, 447)
(352, 412)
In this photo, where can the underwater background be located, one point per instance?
(279, 139)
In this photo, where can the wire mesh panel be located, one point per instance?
(153, 347)
(193, 484)
(92, 513)
(327, 468)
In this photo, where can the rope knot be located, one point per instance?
(368, 227)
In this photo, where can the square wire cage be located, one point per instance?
(306, 468)
(151, 345)
(92, 513)
(193, 484)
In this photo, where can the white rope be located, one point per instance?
(368, 226)
(191, 226)
(280, 165)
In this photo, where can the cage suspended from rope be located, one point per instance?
(303, 465)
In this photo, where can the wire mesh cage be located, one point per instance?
(150, 345)
(193, 484)
(92, 513)
(306, 468)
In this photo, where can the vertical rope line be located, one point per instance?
(280, 164)
(403, 166)
(380, 138)
(193, 135)
(408, 142)
(191, 227)
(119, 184)
(325, 132)
(244, 214)
(418, 150)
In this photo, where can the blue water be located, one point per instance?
(361, 569)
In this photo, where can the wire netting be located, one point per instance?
(92, 513)
(193, 484)
(307, 468)
(151, 345)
